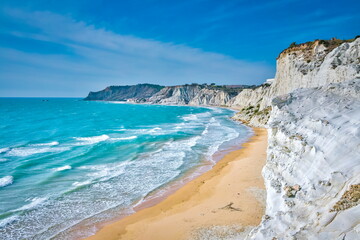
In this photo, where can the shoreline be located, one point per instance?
(231, 196)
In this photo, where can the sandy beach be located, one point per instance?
(227, 201)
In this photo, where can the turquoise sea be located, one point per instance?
(68, 164)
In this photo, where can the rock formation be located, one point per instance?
(307, 65)
(194, 94)
(139, 92)
(312, 173)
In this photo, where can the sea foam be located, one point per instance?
(34, 202)
(91, 140)
(67, 167)
(4, 150)
(8, 220)
(27, 151)
(125, 138)
(5, 181)
(45, 144)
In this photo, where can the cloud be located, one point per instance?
(99, 57)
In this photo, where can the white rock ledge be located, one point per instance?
(314, 141)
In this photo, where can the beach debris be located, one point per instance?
(230, 207)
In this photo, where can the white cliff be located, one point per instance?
(312, 65)
(192, 95)
(313, 159)
(307, 65)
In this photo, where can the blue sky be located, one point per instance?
(67, 48)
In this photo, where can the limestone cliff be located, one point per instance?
(311, 64)
(195, 95)
(312, 174)
(139, 92)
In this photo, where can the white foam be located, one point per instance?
(5, 181)
(3, 150)
(27, 151)
(67, 167)
(78, 184)
(125, 138)
(3, 160)
(92, 140)
(33, 203)
(154, 130)
(104, 172)
(190, 117)
(206, 130)
(45, 144)
(7, 221)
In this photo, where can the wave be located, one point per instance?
(103, 172)
(4, 150)
(78, 184)
(34, 203)
(125, 138)
(206, 130)
(92, 140)
(154, 130)
(3, 160)
(67, 167)
(190, 117)
(8, 220)
(45, 144)
(27, 151)
(5, 181)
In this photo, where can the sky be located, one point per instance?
(52, 48)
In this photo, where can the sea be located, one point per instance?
(68, 165)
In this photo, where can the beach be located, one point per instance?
(227, 201)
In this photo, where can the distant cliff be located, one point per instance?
(189, 94)
(140, 92)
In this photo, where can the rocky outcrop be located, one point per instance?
(313, 65)
(307, 65)
(312, 172)
(137, 93)
(194, 95)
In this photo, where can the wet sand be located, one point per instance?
(226, 201)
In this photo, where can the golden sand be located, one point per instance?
(230, 195)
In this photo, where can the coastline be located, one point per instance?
(230, 196)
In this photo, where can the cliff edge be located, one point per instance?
(312, 174)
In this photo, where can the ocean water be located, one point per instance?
(67, 164)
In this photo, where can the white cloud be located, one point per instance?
(101, 57)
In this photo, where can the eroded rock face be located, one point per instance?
(138, 92)
(191, 95)
(316, 67)
(313, 159)
(302, 67)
